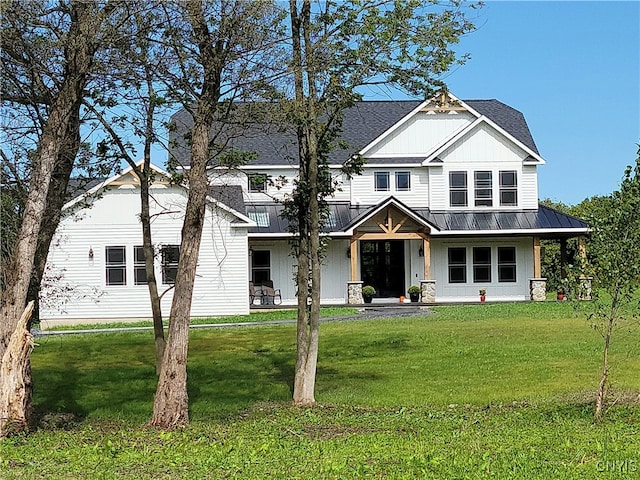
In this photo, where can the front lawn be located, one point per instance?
(485, 391)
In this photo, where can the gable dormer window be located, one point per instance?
(458, 189)
(403, 181)
(257, 182)
(483, 188)
(508, 188)
(381, 180)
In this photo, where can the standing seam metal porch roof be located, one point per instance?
(346, 217)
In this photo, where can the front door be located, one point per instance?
(382, 266)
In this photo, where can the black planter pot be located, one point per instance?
(367, 298)
(414, 297)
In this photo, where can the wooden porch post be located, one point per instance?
(537, 270)
(426, 247)
(582, 249)
(354, 258)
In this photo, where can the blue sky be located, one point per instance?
(573, 69)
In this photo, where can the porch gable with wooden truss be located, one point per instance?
(390, 220)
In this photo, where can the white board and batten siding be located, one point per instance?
(469, 291)
(221, 285)
(420, 134)
(484, 149)
(334, 273)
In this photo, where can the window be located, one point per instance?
(403, 181)
(506, 264)
(260, 266)
(139, 267)
(482, 264)
(508, 188)
(260, 217)
(257, 182)
(116, 265)
(381, 181)
(483, 189)
(457, 265)
(458, 189)
(170, 258)
(331, 221)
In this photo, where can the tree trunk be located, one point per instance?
(147, 245)
(308, 274)
(80, 47)
(15, 378)
(601, 395)
(55, 201)
(171, 404)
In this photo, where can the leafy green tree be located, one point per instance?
(615, 265)
(51, 49)
(222, 53)
(337, 49)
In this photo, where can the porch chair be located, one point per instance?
(252, 293)
(270, 295)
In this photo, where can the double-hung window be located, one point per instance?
(139, 266)
(381, 181)
(403, 181)
(257, 182)
(483, 189)
(457, 264)
(458, 189)
(508, 188)
(170, 258)
(481, 264)
(506, 264)
(260, 266)
(116, 265)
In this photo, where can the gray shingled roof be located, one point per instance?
(229, 195)
(345, 217)
(507, 118)
(362, 124)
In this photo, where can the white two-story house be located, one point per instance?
(448, 201)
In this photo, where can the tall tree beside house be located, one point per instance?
(223, 51)
(338, 48)
(32, 74)
(614, 248)
(130, 107)
(76, 29)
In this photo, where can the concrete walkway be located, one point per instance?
(366, 313)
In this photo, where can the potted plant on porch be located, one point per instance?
(560, 295)
(414, 293)
(367, 293)
(483, 294)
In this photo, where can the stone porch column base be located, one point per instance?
(428, 291)
(538, 289)
(585, 288)
(354, 293)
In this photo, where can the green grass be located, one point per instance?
(260, 316)
(485, 391)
